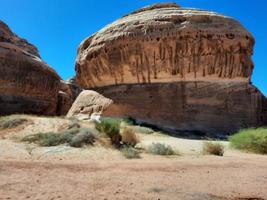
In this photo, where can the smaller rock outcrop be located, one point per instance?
(27, 84)
(89, 103)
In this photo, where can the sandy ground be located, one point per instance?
(47, 173)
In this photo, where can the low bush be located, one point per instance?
(74, 137)
(6, 122)
(250, 140)
(213, 148)
(111, 127)
(45, 139)
(129, 137)
(86, 136)
(130, 152)
(160, 149)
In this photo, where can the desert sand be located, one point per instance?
(96, 172)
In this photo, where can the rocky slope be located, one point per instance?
(177, 68)
(27, 83)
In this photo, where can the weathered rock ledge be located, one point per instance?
(208, 108)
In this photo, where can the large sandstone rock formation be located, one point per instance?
(27, 84)
(189, 69)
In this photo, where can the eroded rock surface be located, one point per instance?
(202, 108)
(27, 84)
(89, 103)
(165, 43)
(177, 68)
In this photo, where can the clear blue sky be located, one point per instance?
(57, 27)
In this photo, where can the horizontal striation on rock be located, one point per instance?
(208, 107)
(166, 43)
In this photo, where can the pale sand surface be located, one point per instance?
(31, 172)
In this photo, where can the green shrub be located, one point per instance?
(74, 137)
(46, 139)
(85, 136)
(213, 148)
(52, 139)
(160, 149)
(129, 137)
(7, 122)
(130, 152)
(250, 140)
(111, 127)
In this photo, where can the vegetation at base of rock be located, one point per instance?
(129, 137)
(250, 140)
(160, 149)
(76, 137)
(213, 148)
(111, 127)
(130, 152)
(11, 122)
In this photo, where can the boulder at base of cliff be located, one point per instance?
(89, 103)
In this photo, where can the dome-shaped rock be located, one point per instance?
(163, 43)
(183, 70)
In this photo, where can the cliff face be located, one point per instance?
(27, 84)
(203, 107)
(166, 43)
(179, 69)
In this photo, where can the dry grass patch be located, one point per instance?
(213, 148)
(11, 122)
(129, 137)
(161, 149)
(130, 152)
(143, 130)
(75, 137)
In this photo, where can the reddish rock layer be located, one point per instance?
(27, 84)
(208, 108)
